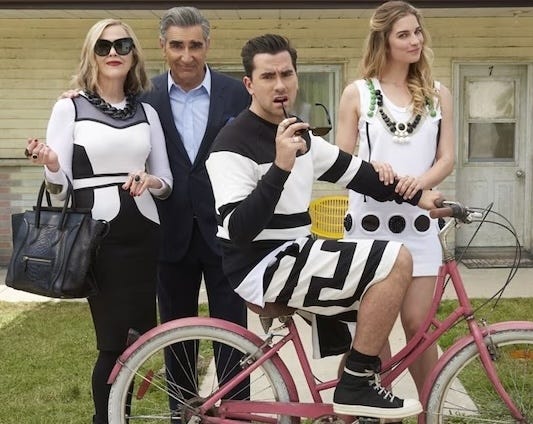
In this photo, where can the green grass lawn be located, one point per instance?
(520, 309)
(46, 358)
(47, 352)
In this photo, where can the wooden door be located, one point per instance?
(492, 150)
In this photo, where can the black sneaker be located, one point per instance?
(360, 394)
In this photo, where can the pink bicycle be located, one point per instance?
(486, 376)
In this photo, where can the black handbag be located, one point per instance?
(54, 249)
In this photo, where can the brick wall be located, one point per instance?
(19, 184)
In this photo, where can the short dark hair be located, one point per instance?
(267, 43)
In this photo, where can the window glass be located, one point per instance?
(490, 141)
(491, 119)
(491, 99)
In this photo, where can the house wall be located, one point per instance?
(40, 55)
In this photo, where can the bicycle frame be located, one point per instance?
(425, 338)
(298, 409)
(427, 335)
(398, 363)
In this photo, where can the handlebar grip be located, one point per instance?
(451, 209)
(441, 212)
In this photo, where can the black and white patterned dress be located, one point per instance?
(97, 153)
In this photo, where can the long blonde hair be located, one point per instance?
(420, 81)
(87, 77)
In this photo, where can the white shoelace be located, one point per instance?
(376, 384)
(382, 391)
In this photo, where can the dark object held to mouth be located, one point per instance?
(318, 131)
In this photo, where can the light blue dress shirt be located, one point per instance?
(190, 110)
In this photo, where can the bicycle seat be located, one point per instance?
(271, 310)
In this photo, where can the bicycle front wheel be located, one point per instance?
(168, 378)
(462, 392)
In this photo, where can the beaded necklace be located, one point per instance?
(401, 130)
(122, 114)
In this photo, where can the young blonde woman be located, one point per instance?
(401, 120)
(112, 148)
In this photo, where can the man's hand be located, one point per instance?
(288, 144)
(70, 94)
(428, 199)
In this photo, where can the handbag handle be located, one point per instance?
(69, 198)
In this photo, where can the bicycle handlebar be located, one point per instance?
(455, 210)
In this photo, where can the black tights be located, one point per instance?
(102, 368)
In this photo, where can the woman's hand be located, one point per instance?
(430, 199)
(139, 181)
(385, 171)
(39, 153)
(408, 186)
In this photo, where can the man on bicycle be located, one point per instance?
(262, 167)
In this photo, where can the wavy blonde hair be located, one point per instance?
(87, 76)
(420, 81)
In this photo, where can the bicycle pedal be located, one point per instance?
(194, 420)
(330, 419)
(368, 420)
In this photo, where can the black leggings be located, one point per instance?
(102, 368)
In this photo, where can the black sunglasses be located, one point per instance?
(319, 131)
(122, 46)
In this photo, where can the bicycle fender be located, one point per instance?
(212, 322)
(461, 344)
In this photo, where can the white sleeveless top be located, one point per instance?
(367, 218)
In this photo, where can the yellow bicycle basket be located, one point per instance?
(327, 216)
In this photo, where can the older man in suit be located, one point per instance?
(194, 103)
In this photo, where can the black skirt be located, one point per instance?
(126, 277)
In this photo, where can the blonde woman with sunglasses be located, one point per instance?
(112, 148)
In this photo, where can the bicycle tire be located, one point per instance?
(145, 372)
(462, 392)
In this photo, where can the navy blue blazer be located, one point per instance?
(192, 195)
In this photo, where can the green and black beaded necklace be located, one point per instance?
(401, 131)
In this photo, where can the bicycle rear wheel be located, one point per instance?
(462, 392)
(146, 390)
